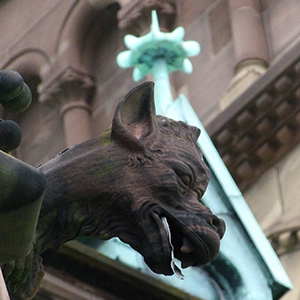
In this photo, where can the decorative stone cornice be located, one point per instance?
(135, 17)
(263, 124)
(68, 82)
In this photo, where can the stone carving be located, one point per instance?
(141, 180)
(135, 18)
(69, 81)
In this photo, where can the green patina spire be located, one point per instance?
(146, 50)
(158, 53)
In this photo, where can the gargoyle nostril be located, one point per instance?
(219, 225)
(215, 222)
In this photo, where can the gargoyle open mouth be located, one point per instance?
(183, 237)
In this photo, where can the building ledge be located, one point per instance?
(263, 123)
(82, 272)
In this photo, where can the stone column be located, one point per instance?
(72, 89)
(76, 121)
(249, 47)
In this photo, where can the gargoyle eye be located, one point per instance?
(186, 179)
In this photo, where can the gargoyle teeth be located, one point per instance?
(174, 268)
(187, 246)
(186, 264)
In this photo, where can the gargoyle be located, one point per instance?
(141, 181)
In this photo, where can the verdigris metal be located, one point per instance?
(158, 53)
(15, 95)
(143, 172)
(21, 186)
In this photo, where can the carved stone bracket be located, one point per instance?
(135, 17)
(285, 241)
(284, 234)
(68, 82)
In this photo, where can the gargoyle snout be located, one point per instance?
(218, 224)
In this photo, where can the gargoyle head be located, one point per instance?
(141, 181)
(161, 188)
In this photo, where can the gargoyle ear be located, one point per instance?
(135, 118)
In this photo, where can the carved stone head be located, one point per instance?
(162, 186)
(141, 181)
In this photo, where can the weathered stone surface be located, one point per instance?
(219, 21)
(289, 178)
(264, 199)
(276, 14)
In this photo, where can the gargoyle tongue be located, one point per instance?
(174, 268)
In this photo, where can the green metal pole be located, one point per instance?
(162, 93)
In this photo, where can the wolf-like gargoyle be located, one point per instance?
(141, 181)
